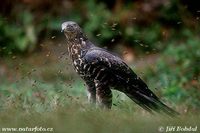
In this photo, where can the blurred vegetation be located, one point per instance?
(36, 75)
(126, 23)
(178, 72)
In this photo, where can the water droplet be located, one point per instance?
(33, 70)
(137, 41)
(59, 72)
(14, 57)
(21, 64)
(28, 73)
(114, 25)
(154, 49)
(113, 40)
(48, 54)
(59, 57)
(105, 23)
(42, 45)
(142, 45)
(53, 37)
(98, 35)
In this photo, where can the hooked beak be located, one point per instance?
(62, 30)
(63, 27)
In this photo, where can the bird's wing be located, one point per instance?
(123, 76)
(117, 69)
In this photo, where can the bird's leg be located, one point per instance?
(104, 95)
(91, 92)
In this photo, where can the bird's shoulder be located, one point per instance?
(103, 57)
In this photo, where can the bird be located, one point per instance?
(102, 71)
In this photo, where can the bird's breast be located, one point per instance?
(78, 64)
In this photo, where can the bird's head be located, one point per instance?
(71, 30)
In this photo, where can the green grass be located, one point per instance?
(77, 119)
(63, 107)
